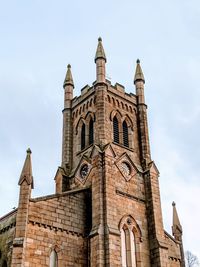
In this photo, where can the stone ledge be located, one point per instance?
(121, 193)
(71, 192)
(56, 229)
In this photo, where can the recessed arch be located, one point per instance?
(130, 109)
(113, 101)
(90, 115)
(83, 130)
(116, 113)
(91, 102)
(129, 220)
(115, 130)
(128, 121)
(125, 134)
(130, 235)
(79, 124)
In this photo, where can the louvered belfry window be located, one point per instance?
(125, 134)
(115, 130)
(91, 132)
(83, 136)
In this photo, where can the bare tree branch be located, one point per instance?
(191, 260)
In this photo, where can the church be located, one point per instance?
(106, 209)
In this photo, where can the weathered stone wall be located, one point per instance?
(7, 231)
(59, 222)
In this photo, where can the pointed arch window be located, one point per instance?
(91, 132)
(125, 134)
(53, 259)
(83, 136)
(116, 130)
(130, 238)
(128, 250)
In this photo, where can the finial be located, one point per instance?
(139, 76)
(68, 78)
(28, 151)
(26, 173)
(100, 54)
(173, 204)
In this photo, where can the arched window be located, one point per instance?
(83, 136)
(91, 132)
(125, 134)
(128, 247)
(53, 259)
(115, 130)
(4, 264)
(130, 238)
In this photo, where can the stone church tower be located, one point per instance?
(106, 210)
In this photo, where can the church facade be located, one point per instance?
(106, 209)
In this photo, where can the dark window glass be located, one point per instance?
(83, 136)
(91, 132)
(125, 134)
(115, 130)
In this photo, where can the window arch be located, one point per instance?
(53, 259)
(115, 130)
(128, 250)
(91, 132)
(130, 238)
(125, 134)
(83, 136)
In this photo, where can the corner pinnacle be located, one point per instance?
(100, 51)
(68, 78)
(26, 173)
(176, 227)
(139, 76)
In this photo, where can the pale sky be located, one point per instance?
(39, 38)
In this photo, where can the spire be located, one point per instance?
(139, 76)
(68, 78)
(27, 170)
(176, 228)
(100, 51)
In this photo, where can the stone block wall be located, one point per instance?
(60, 223)
(7, 231)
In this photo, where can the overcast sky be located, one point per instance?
(37, 41)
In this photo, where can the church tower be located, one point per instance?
(106, 148)
(106, 210)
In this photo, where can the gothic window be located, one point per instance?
(83, 136)
(53, 259)
(130, 236)
(125, 134)
(128, 247)
(91, 132)
(115, 130)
